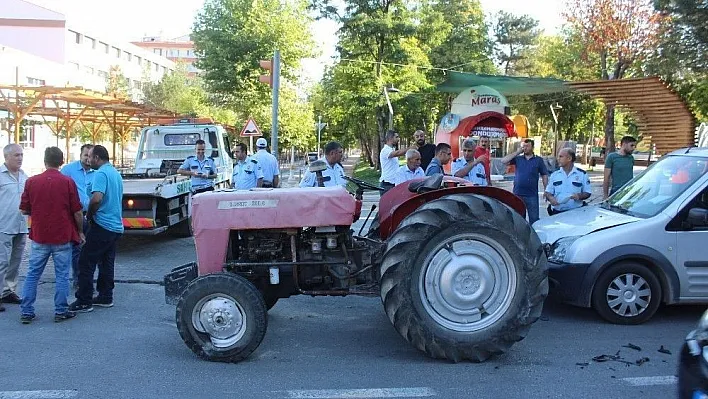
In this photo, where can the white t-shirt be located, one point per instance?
(389, 166)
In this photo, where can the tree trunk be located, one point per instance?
(609, 129)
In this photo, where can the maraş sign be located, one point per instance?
(484, 99)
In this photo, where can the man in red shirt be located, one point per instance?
(483, 149)
(51, 199)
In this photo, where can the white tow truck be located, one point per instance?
(155, 198)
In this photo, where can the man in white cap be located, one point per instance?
(268, 163)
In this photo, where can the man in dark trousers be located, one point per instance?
(528, 168)
(105, 216)
(427, 151)
(57, 223)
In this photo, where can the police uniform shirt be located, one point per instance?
(332, 176)
(269, 165)
(476, 175)
(206, 166)
(562, 186)
(246, 174)
(404, 174)
(435, 167)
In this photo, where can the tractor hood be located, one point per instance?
(579, 222)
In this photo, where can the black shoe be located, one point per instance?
(27, 318)
(12, 298)
(58, 317)
(81, 308)
(103, 302)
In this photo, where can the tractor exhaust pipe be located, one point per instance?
(373, 207)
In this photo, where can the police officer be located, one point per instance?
(247, 172)
(334, 174)
(200, 168)
(268, 163)
(468, 167)
(569, 186)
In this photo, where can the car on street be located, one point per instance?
(311, 156)
(693, 363)
(643, 246)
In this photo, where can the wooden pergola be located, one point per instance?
(70, 105)
(661, 115)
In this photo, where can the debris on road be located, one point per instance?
(642, 361)
(632, 346)
(664, 350)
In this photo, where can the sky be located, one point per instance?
(130, 20)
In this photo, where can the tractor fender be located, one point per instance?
(399, 202)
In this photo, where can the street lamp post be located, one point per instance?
(554, 107)
(387, 90)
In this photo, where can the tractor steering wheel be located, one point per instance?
(362, 184)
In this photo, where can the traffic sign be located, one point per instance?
(251, 129)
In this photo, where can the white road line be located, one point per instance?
(38, 394)
(647, 381)
(362, 393)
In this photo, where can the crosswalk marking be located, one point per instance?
(56, 394)
(362, 393)
(648, 381)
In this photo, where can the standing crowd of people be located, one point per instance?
(76, 218)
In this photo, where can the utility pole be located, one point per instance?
(319, 134)
(273, 80)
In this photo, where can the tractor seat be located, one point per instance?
(430, 183)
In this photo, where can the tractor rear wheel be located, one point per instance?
(222, 317)
(463, 278)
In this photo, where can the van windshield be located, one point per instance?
(658, 186)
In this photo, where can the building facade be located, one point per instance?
(178, 50)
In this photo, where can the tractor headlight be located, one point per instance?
(560, 248)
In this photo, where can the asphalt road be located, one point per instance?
(326, 348)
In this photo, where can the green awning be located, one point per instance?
(506, 85)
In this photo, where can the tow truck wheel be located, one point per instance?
(463, 278)
(222, 317)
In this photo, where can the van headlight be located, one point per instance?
(560, 248)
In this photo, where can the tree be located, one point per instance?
(116, 83)
(515, 36)
(231, 36)
(177, 92)
(621, 33)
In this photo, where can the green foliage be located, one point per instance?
(515, 37)
(116, 83)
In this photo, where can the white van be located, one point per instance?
(647, 244)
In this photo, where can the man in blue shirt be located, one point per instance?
(442, 158)
(569, 186)
(105, 216)
(200, 168)
(247, 172)
(81, 173)
(269, 164)
(333, 175)
(528, 168)
(411, 170)
(468, 167)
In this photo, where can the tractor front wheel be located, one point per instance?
(222, 317)
(463, 278)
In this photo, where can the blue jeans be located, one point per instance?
(39, 255)
(532, 205)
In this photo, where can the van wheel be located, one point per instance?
(626, 293)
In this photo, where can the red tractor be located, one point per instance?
(461, 274)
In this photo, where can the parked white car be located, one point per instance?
(645, 245)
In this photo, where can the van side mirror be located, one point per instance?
(698, 217)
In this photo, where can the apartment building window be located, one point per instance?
(90, 42)
(27, 136)
(105, 48)
(137, 84)
(102, 74)
(157, 68)
(138, 60)
(88, 70)
(76, 35)
(164, 70)
(157, 51)
(116, 51)
(74, 66)
(35, 81)
(127, 56)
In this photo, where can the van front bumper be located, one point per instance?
(566, 282)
